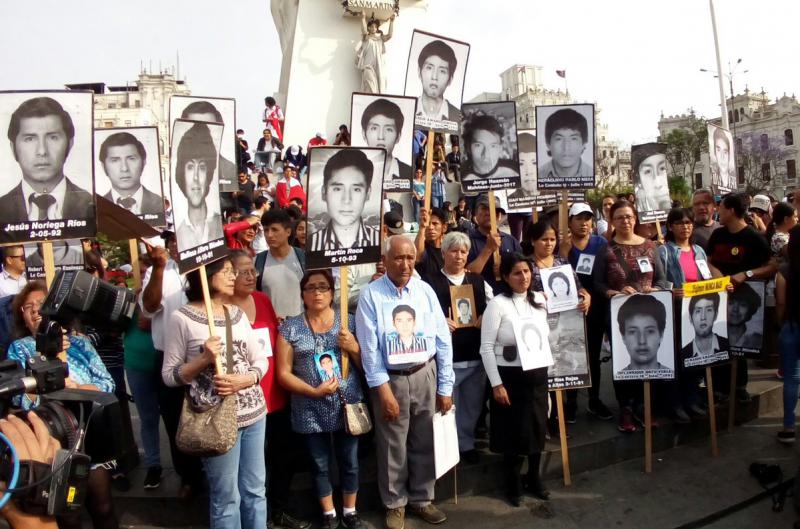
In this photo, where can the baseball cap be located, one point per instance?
(760, 202)
(483, 200)
(580, 207)
(394, 222)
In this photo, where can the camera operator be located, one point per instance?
(32, 443)
(164, 293)
(86, 371)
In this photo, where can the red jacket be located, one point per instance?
(296, 191)
(274, 394)
(231, 229)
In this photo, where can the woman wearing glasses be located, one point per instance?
(86, 371)
(236, 478)
(631, 266)
(309, 359)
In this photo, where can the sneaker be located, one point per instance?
(330, 521)
(626, 424)
(352, 521)
(285, 521)
(395, 518)
(569, 415)
(599, 410)
(429, 513)
(742, 395)
(786, 436)
(153, 478)
(681, 417)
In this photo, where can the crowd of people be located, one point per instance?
(285, 344)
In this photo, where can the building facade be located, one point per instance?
(522, 83)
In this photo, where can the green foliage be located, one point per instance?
(595, 196)
(680, 190)
(684, 147)
(115, 252)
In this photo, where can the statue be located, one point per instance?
(370, 54)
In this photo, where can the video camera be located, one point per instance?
(91, 426)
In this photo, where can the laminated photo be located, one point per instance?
(642, 336)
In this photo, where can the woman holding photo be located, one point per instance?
(631, 265)
(317, 404)
(519, 405)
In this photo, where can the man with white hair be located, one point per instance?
(405, 390)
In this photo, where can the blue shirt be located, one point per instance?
(379, 298)
(508, 244)
(85, 366)
(597, 246)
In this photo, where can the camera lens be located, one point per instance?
(61, 423)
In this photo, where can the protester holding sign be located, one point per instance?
(519, 405)
(787, 307)
(631, 265)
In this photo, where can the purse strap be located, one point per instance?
(228, 342)
(622, 262)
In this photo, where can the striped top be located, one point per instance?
(325, 239)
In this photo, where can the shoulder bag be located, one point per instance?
(209, 432)
(356, 416)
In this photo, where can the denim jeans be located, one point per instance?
(320, 448)
(144, 386)
(237, 496)
(437, 201)
(789, 346)
(468, 400)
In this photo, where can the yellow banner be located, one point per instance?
(706, 287)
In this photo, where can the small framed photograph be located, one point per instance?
(462, 300)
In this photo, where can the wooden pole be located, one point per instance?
(455, 484)
(344, 304)
(562, 432)
(732, 396)
(648, 430)
(429, 168)
(535, 214)
(712, 413)
(212, 331)
(133, 245)
(49, 262)
(563, 214)
(493, 230)
(659, 235)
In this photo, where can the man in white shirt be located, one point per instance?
(123, 158)
(163, 293)
(436, 68)
(12, 277)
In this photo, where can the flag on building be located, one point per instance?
(561, 73)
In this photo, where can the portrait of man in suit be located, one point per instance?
(207, 112)
(41, 134)
(123, 158)
(703, 312)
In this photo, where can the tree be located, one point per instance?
(684, 147)
(760, 159)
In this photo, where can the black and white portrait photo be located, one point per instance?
(650, 183)
(386, 122)
(746, 318)
(704, 329)
(489, 133)
(47, 187)
(585, 264)
(570, 369)
(527, 195)
(565, 146)
(67, 255)
(195, 194)
(435, 76)
(722, 159)
(128, 171)
(213, 110)
(344, 206)
(560, 288)
(642, 336)
(464, 311)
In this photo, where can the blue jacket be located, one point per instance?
(669, 254)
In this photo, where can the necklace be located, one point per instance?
(542, 263)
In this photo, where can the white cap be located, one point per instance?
(761, 202)
(580, 207)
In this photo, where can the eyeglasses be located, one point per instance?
(249, 272)
(320, 289)
(29, 307)
(230, 272)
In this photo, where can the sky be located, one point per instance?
(634, 58)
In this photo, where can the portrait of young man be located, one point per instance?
(406, 340)
(706, 344)
(723, 161)
(41, 136)
(386, 123)
(641, 323)
(123, 158)
(490, 148)
(562, 152)
(346, 187)
(196, 162)
(526, 143)
(651, 186)
(464, 311)
(439, 65)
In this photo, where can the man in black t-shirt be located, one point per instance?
(738, 250)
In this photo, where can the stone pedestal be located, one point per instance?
(318, 73)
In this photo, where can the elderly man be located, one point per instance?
(704, 224)
(12, 276)
(406, 389)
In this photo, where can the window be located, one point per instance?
(108, 124)
(791, 170)
(741, 113)
(765, 172)
(128, 123)
(764, 142)
(788, 137)
(738, 145)
(112, 105)
(137, 104)
(740, 175)
(605, 153)
(698, 180)
(730, 116)
(736, 115)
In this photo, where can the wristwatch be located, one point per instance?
(749, 274)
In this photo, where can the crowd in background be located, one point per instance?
(276, 320)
